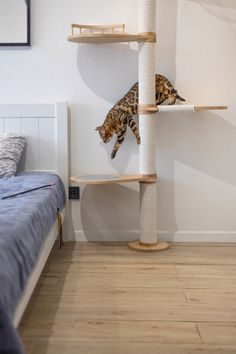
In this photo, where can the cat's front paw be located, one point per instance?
(113, 154)
(139, 141)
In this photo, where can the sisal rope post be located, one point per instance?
(147, 123)
(148, 213)
(147, 129)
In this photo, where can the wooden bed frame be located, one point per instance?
(45, 127)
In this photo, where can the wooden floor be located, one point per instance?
(101, 298)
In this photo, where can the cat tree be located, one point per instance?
(147, 117)
(147, 129)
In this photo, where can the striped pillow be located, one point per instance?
(11, 149)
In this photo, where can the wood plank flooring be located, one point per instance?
(102, 298)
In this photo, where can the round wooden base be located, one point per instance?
(144, 247)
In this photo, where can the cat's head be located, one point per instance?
(106, 133)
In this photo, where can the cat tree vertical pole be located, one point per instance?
(147, 127)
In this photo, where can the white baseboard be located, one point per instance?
(171, 236)
(106, 236)
(197, 236)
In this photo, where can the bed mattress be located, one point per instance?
(25, 221)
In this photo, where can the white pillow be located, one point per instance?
(11, 149)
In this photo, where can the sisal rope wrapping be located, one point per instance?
(148, 208)
(176, 108)
(147, 15)
(147, 123)
(147, 156)
(147, 73)
(147, 87)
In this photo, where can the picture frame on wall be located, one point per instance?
(14, 23)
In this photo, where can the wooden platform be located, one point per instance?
(102, 38)
(102, 298)
(110, 179)
(100, 34)
(210, 108)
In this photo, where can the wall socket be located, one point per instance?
(74, 193)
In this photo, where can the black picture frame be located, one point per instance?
(28, 40)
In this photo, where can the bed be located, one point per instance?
(29, 222)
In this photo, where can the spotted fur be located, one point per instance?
(121, 115)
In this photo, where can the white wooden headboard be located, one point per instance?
(45, 127)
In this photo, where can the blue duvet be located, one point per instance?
(25, 221)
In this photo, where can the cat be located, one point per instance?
(121, 115)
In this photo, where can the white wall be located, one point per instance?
(195, 153)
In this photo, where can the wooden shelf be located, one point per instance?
(100, 34)
(110, 179)
(101, 38)
(210, 108)
(154, 109)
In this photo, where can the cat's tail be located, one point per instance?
(180, 98)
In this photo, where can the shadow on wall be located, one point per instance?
(111, 221)
(223, 9)
(108, 70)
(127, 149)
(203, 141)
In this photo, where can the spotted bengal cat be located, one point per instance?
(121, 115)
